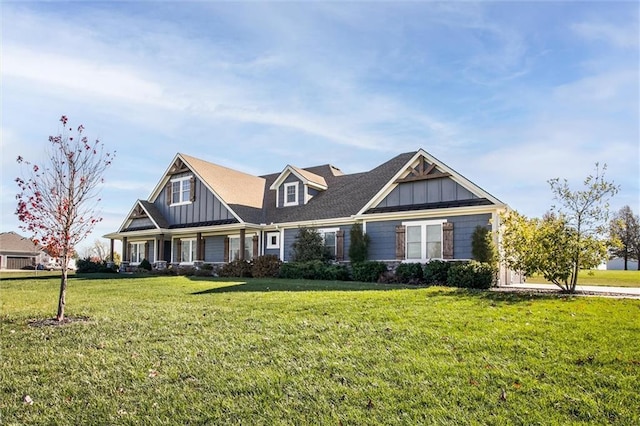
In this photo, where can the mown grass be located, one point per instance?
(173, 350)
(600, 278)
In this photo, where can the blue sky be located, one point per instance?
(509, 94)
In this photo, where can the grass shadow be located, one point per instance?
(248, 285)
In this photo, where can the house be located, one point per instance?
(18, 252)
(413, 207)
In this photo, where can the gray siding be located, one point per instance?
(207, 207)
(383, 235)
(291, 179)
(290, 236)
(426, 191)
(214, 249)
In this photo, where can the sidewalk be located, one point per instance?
(631, 292)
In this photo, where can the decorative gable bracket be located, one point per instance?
(423, 171)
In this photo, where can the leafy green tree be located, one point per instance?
(624, 233)
(309, 245)
(359, 247)
(567, 239)
(586, 212)
(483, 248)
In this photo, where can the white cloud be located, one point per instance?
(621, 36)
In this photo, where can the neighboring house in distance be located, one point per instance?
(413, 207)
(17, 252)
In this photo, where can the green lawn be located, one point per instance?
(174, 350)
(600, 278)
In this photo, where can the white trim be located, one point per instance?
(323, 231)
(269, 235)
(139, 252)
(181, 191)
(458, 211)
(288, 185)
(423, 239)
(282, 244)
(288, 170)
(278, 197)
(455, 176)
(192, 252)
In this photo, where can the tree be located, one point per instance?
(359, 247)
(309, 245)
(99, 251)
(58, 202)
(624, 232)
(566, 239)
(482, 247)
(586, 212)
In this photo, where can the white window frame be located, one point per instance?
(271, 245)
(248, 255)
(181, 182)
(323, 231)
(423, 240)
(192, 242)
(295, 202)
(139, 251)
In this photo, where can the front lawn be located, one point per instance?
(175, 350)
(600, 278)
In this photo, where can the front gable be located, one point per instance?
(427, 183)
(296, 187)
(186, 200)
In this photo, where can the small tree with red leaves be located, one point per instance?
(58, 203)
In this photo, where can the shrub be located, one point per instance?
(145, 265)
(309, 246)
(359, 247)
(410, 273)
(472, 275)
(266, 266)
(482, 247)
(314, 270)
(237, 268)
(88, 266)
(436, 271)
(368, 271)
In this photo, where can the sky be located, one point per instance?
(508, 94)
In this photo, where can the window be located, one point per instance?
(188, 251)
(181, 190)
(423, 240)
(273, 240)
(137, 252)
(329, 238)
(291, 194)
(234, 248)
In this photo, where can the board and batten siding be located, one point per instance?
(207, 207)
(281, 190)
(426, 191)
(290, 237)
(383, 235)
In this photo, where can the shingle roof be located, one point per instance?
(232, 186)
(310, 176)
(155, 214)
(345, 195)
(14, 243)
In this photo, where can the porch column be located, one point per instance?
(242, 234)
(125, 252)
(161, 247)
(111, 245)
(199, 253)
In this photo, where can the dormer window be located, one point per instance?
(181, 190)
(291, 194)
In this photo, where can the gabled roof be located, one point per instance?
(307, 177)
(232, 187)
(442, 170)
(14, 243)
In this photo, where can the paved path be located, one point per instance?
(633, 292)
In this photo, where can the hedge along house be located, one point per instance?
(413, 207)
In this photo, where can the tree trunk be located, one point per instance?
(626, 259)
(63, 291)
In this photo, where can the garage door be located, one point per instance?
(19, 262)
